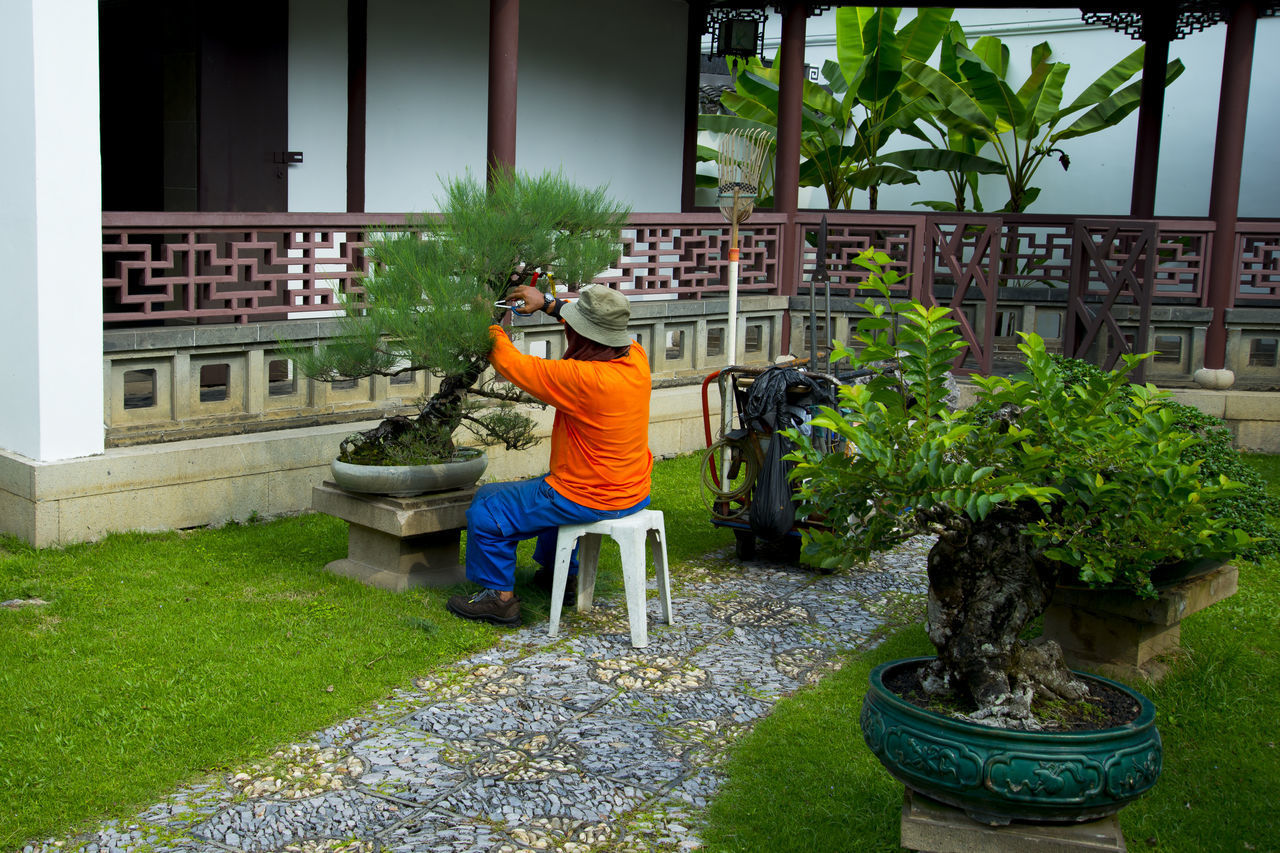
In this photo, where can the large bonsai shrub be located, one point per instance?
(429, 298)
(1038, 481)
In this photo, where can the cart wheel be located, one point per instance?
(746, 544)
(791, 546)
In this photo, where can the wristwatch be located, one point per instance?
(551, 305)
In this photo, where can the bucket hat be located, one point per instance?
(601, 314)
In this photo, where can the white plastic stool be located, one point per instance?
(630, 532)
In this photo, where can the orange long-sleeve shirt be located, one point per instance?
(600, 454)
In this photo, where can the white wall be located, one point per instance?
(1100, 177)
(318, 104)
(427, 115)
(51, 231)
(609, 110)
(601, 94)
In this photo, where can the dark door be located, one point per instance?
(243, 106)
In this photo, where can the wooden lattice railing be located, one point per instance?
(170, 268)
(230, 266)
(252, 267)
(1037, 251)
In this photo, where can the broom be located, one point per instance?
(741, 163)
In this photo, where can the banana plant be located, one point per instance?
(846, 124)
(924, 117)
(1027, 125)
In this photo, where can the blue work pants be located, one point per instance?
(501, 515)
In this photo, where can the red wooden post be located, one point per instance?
(693, 66)
(786, 174)
(1157, 30)
(1224, 194)
(504, 43)
(357, 61)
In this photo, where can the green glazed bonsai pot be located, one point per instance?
(996, 775)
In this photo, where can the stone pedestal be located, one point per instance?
(928, 825)
(1115, 633)
(398, 543)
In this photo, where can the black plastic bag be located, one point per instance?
(766, 407)
(773, 511)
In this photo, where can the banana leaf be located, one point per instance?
(1029, 195)
(835, 77)
(922, 34)
(1043, 101)
(816, 174)
(942, 160)
(1111, 79)
(992, 94)
(749, 109)
(718, 123)
(1114, 109)
(961, 111)
(972, 180)
(881, 78)
(948, 63)
(939, 206)
(1040, 67)
(850, 49)
(881, 173)
(762, 85)
(1041, 54)
(822, 168)
(993, 54)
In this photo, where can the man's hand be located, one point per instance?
(533, 298)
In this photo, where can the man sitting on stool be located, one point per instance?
(600, 458)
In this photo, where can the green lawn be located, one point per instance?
(159, 657)
(803, 780)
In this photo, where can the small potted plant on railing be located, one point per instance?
(428, 300)
(1036, 480)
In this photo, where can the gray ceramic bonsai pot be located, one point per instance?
(407, 480)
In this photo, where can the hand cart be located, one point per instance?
(735, 455)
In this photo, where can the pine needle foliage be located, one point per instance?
(428, 298)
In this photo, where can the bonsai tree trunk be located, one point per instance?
(986, 582)
(440, 415)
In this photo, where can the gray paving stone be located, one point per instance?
(270, 825)
(578, 742)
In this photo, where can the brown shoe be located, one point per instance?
(486, 606)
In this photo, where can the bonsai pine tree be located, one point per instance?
(1040, 480)
(428, 301)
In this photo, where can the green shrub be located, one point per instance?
(1249, 507)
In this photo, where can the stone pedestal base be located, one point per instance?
(1117, 634)
(928, 825)
(398, 543)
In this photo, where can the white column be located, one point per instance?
(50, 230)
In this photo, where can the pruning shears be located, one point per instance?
(519, 303)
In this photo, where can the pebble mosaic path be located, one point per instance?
(576, 744)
